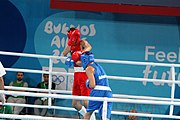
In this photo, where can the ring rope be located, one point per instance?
(97, 60)
(109, 77)
(124, 100)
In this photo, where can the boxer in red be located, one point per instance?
(80, 77)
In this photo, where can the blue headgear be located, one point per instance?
(86, 58)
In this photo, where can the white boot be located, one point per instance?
(93, 116)
(82, 111)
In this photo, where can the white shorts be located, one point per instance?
(2, 70)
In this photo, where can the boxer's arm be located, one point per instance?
(66, 50)
(90, 75)
(85, 46)
(1, 83)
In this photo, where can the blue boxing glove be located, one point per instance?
(87, 84)
(69, 62)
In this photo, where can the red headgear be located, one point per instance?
(74, 37)
(76, 56)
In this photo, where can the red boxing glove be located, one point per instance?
(76, 56)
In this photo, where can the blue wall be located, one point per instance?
(32, 27)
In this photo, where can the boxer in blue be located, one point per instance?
(97, 82)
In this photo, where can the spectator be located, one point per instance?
(43, 101)
(18, 99)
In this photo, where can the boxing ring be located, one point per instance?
(117, 98)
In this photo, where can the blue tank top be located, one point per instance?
(100, 75)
